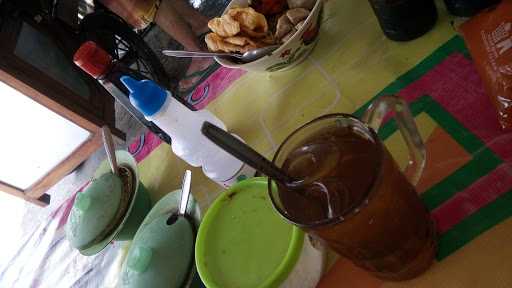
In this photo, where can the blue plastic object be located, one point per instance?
(145, 95)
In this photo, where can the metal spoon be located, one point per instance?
(185, 195)
(108, 143)
(185, 192)
(248, 56)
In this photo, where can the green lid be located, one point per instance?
(161, 255)
(93, 211)
(124, 159)
(242, 242)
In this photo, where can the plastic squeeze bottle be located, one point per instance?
(184, 127)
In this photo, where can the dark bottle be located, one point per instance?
(403, 20)
(468, 8)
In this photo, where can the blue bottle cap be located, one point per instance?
(145, 95)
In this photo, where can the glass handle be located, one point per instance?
(375, 115)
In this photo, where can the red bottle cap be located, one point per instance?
(92, 59)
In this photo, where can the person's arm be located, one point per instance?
(137, 13)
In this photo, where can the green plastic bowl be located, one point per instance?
(140, 209)
(242, 242)
(168, 265)
(95, 211)
(137, 210)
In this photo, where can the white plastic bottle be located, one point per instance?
(184, 127)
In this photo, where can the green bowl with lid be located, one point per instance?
(161, 255)
(242, 242)
(104, 212)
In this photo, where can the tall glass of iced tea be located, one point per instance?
(352, 193)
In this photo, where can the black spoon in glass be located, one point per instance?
(249, 156)
(246, 154)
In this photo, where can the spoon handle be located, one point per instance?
(185, 192)
(108, 142)
(243, 152)
(181, 53)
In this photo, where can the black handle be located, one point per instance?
(243, 152)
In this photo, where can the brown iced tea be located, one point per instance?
(356, 199)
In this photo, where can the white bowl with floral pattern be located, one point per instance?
(290, 53)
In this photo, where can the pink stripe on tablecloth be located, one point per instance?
(482, 192)
(143, 146)
(214, 85)
(455, 85)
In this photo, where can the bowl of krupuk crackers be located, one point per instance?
(252, 24)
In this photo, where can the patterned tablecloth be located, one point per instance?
(467, 184)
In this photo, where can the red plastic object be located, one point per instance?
(92, 59)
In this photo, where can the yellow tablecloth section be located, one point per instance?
(352, 63)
